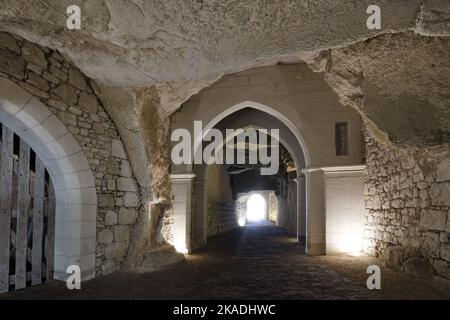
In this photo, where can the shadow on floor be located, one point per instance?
(258, 261)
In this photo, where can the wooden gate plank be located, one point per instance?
(50, 231)
(23, 202)
(5, 205)
(28, 250)
(38, 222)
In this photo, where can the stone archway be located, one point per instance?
(258, 120)
(315, 220)
(298, 127)
(311, 120)
(74, 183)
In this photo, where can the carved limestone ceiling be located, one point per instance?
(139, 42)
(399, 82)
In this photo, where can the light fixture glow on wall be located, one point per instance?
(180, 245)
(351, 244)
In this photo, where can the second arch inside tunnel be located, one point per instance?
(320, 148)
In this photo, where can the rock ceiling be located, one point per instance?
(138, 42)
(189, 44)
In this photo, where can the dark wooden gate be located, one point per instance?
(27, 215)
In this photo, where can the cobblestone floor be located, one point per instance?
(254, 262)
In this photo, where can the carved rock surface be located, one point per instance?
(147, 42)
(183, 46)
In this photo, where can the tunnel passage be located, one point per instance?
(222, 213)
(238, 195)
(321, 151)
(395, 77)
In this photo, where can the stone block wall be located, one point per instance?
(241, 206)
(407, 197)
(292, 207)
(273, 206)
(70, 95)
(222, 217)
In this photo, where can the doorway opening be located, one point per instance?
(256, 208)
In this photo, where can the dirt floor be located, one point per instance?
(253, 262)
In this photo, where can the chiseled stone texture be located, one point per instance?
(393, 75)
(194, 43)
(192, 39)
(408, 209)
(69, 94)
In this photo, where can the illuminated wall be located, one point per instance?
(344, 210)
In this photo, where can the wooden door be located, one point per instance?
(27, 215)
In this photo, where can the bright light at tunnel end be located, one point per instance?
(256, 206)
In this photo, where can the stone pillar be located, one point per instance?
(334, 209)
(315, 211)
(301, 210)
(182, 206)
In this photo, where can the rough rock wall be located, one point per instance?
(143, 119)
(70, 96)
(399, 84)
(153, 224)
(151, 42)
(152, 108)
(407, 198)
(155, 124)
(399, 81)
